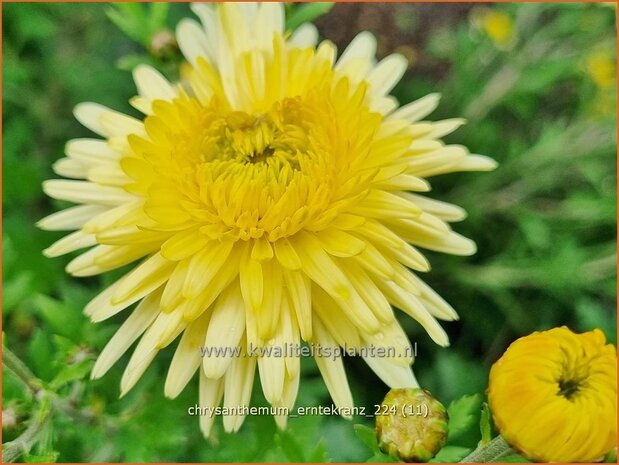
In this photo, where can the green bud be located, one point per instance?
(163, 44)
(411, 424)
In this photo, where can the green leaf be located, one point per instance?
(71, 373)
(131, 20)
(517, 458)
(157, 16)
(292, 450)
(128, 62)
(319, 454)
(368, 436)
(611, 457)
(39, 354)
(382, 458)
(462, 415)
(451, 454)
(50, 457)
(306, 13)
(485, 425)
(62, 319)
(16, 290)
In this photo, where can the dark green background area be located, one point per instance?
(544, 221)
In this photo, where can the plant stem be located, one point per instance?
(20, 370)
(11, 451)
(491, 452)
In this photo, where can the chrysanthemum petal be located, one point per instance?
(85, 192)
(332, 370)
(268, 21)
(151, 84)
(192, 41)
(333, 319)
(186, 358)
(239, 380)
(363, 46)
(324, 271)
(387, 73)
(70, 218)
(381, 204)
(417, 110)
(70, 168)
(445, 127)
(340, 243)
(272, 370)
(477, 163)
(203, 267)
(103, 258)
(225, 329)
(70, 243)
(412, 306)
(306, 35)
(150, 274)
(211, 393)
(165, 328)
(133, 327)
(394, 376)
(286, 255)
(443, 210)
(298, 289)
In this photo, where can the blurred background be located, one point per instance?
(537, 85)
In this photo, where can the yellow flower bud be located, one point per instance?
(553, 396)
(411, 424)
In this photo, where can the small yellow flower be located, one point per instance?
(601, 68)
(553, 395)
(498, 26)
(273, 197)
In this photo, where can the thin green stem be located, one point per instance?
(20, 370)
(13, 450)
(491, 452)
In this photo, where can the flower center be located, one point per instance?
(275, 137)
(271, 170)
(568, 388)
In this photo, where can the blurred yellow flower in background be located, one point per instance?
(553, 396)
(601, 68)
(496, 24)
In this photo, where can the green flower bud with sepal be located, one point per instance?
(411, 424)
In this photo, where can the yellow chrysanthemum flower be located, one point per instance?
(273, 196)
(553, 396)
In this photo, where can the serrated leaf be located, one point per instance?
(368, 436)
(462, 415)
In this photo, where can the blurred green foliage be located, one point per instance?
(536, 83)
